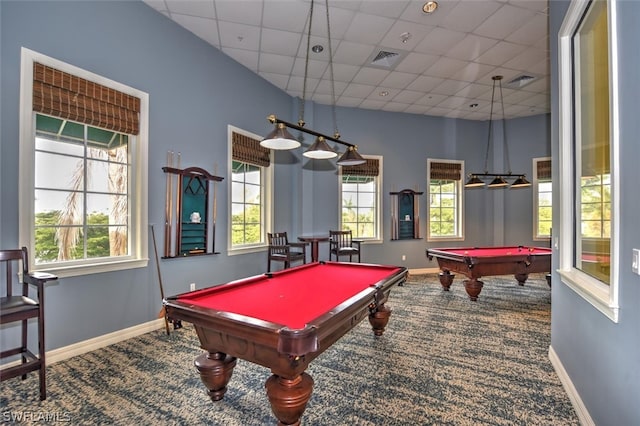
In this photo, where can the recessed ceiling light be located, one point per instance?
(473, 106)
(384, 93)
(430, 6)
(317, 48)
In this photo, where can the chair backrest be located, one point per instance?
(278, 239)
(10, 262)
(340, 238)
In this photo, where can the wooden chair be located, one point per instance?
(281, 250)
(341, 244)
(21, 308)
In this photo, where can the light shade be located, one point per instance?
(474, 182)
(521, 182)
(498, 182)
(351, 157)
(320, 150)
(280, 139)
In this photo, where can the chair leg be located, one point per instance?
(24, 345)
(43, 365)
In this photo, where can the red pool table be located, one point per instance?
(282, 321)
(477, 262)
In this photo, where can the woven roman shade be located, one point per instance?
(448, 171)
(67, 96)
(543, 171)
(370, 168)
(249, 150)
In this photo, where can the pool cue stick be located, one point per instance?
(163, 311)
(168, 206)
(215, 208)
(178, 207)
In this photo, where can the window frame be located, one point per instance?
(459, 201)
(536, 199)
(138, 179)
(605, 298)
(378, 202)
(266, 195)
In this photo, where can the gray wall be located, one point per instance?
(602, 358)
(195, 92)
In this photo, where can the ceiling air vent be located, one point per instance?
(521, 81)
(386, 59)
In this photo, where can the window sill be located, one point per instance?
(94, 268)
(592, 290)
(246, 250)
(444, 239)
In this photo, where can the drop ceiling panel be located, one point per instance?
(465, 41)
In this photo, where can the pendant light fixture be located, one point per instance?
(280, 138)
(476, 179)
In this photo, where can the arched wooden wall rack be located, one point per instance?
(193, 229)
(405, 215)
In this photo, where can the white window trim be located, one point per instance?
(460, 212)
(139, 213)
(536, 207)
(604, 298)
(379, 237)
(267, 195)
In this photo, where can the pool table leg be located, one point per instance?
(379, 318)
(521, 278)
(473, 287)
(215, 370)
(289, 397)
(446, 279)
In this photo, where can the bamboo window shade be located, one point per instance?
(370, 168)
(248, 150)
(448, 171)
(67, 96)
(543, 170)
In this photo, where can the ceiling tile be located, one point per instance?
(206, 29)
(370, 76)
(454, 51)
(278, 64)
(235, 11)
(239, 36)
(360, 29)
(468, 15)
(503, 22)
(439, 41)
(192, 8)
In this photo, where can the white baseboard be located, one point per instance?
(89, 345)
(419, 271)
(574, 397)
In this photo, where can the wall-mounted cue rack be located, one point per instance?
(405, 215)
(192, 230)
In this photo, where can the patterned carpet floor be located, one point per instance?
(443, 360)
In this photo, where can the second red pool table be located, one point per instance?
(477, 262)
(283, 320)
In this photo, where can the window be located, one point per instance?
(250, 189)
(359, 193)
(542, 199)
(588, 149)
(83, 171)
(445, 199)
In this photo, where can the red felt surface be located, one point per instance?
(293, 298)
(497, 251)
